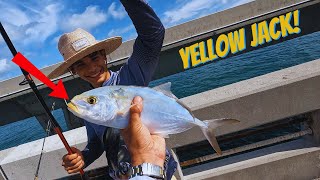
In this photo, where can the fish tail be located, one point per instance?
(208, 127)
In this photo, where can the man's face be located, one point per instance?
(92, 68)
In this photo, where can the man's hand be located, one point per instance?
(74, 162)
(143, 146)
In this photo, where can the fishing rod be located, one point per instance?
(34, 88)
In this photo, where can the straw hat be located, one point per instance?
(75, 45)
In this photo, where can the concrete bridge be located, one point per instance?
(257, 101)
(21, 98)
(264, 99)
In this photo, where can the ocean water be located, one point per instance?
(210, 76)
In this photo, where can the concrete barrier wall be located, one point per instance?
(255, 101)
(299, 164)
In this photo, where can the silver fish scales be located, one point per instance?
(162, 113)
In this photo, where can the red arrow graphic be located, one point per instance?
(58, 90)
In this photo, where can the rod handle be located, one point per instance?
(65, 143)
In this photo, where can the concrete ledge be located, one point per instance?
(256, 101)
(21, 162)
(294, 164)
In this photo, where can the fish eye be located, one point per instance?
(92, 100)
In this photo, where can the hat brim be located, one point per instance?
(109, 45)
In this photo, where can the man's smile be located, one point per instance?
(97, 74)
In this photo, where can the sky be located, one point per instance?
(35, 26)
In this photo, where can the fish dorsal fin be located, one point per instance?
(165, 89)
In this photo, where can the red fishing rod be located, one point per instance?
(33, 86)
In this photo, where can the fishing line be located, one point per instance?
(73, 74)
(44, 140)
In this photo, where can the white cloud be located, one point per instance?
(242, 2)
(26, 26)
(55, 40)
(15, 33)
(16, 16)
(187, 11)
(117, 13)
(89, 19)
(120, 31)
(46, 24)
(13, 19)
(5, 66)
(195, 9)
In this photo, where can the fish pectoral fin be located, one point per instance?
(163, 135)
(125, 110)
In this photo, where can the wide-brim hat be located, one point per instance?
(76, 45)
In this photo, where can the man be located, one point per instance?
(86, 57)
(143, 147)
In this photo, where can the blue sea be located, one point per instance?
(210, 76)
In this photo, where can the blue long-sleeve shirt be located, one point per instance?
(138, 70)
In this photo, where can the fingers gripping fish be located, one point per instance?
(162, 113)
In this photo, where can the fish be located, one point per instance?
(163, 113)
